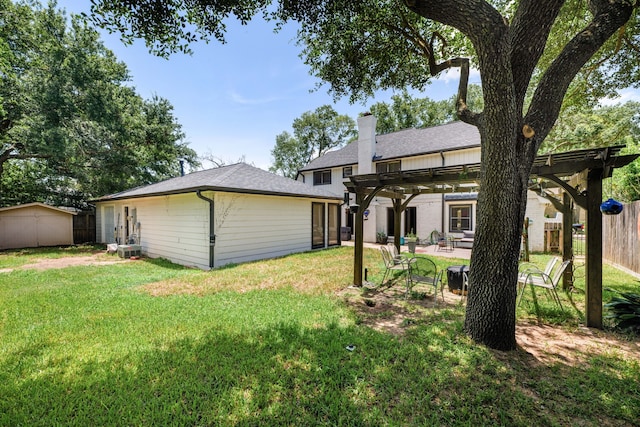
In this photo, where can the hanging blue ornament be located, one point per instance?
(611, 207)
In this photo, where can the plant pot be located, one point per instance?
(412, 245)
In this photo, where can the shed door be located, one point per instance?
(109, 224)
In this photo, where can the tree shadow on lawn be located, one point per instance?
(289, 374)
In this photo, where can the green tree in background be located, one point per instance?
(531, 54)
(581, 127)
(70, 127)
(407, 112)
(314, 133)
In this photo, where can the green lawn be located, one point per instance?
(151, 343)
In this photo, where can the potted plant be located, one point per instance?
(381, 237)
(412, 240)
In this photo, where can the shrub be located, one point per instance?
(624, 310)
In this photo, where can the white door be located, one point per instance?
(109, 225)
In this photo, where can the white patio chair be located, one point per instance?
(525, 268)
(546, 281)
(391, 263)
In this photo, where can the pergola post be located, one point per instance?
(359, 242)
(593, 285)
(397, 213)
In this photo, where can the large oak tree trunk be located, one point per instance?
(490, 317)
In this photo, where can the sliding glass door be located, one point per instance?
(317, 223)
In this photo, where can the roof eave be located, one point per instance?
(212, 188)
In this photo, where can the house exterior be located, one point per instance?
(211, 218)
(35, 224)
(454, 213)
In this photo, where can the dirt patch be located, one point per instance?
(98, 258)
(549, 344)
(388, 311)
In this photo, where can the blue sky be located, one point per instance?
(233, 99)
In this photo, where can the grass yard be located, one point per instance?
(111, 342)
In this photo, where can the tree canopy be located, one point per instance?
(405, 111)
(581, 127)
(314, 133)
(71, 127)
(533, 55)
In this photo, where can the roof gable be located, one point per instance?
(38, 205)
(239, 177)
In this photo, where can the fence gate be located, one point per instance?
(84, 227)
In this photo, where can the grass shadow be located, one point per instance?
(286, 372)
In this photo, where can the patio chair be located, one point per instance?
(546, 281)
(391, 263)
(526, 267)
(395, 254)
(424, 270)
(445, 243)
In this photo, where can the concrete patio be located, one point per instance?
(432, 250)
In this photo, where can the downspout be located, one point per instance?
(442, 204)
(212, 236)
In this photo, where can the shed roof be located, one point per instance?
(236, 178)
(38, 204)
(405, 143)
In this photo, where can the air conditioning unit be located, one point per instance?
(127, 251)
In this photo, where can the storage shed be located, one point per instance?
(35, 224)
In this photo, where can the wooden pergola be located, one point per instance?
(587, 168)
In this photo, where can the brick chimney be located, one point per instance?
(366, 143)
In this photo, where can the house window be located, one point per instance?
(322, 177)
(347, 171)
(388, 167)
(459, 218)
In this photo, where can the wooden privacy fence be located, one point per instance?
(621, 237)
(84, 227)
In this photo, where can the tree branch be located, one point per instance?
(471, 17)
(529, 32)
(548, 97)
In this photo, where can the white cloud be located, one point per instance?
(624, 95)
(239, 99)
(452, 75)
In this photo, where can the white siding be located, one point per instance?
(535, 212)
(252, 227)
(422, 162)
(173, 227)
(462, 157)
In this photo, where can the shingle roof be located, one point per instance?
(236, 178)
(405, 143)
